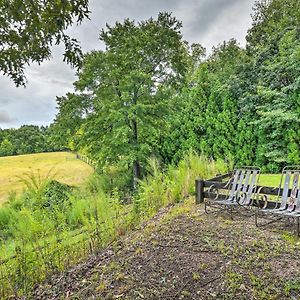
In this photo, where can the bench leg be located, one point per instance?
(211, 211)
(256, 224)
(268, 222)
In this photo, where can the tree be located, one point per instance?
(29, 28)
(128, 87)
(69, 120)
(245, 142)
(274, 45)
(6, 148)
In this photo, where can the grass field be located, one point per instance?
(269, 180)
(63, 166)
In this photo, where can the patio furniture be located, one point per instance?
(287, 205)
(241, 188)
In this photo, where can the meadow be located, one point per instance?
(63, 166)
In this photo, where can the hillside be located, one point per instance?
(63, 166)
(184, 254)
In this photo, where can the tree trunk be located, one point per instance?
(136, 173)
(136, 163)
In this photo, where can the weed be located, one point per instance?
(234, 281)
(291, 286)
(196, 276)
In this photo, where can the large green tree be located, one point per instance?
(127, 90)
(206, 119)
(29, 28)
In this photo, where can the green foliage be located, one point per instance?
(291, 286)
(150, 93)
(273, 45)
(243, 105)
(6, 148)
(245, 143)
(30, 28)
(206, 120)
(126, 91)
(46, 226)
(176, 183)
(28, 139)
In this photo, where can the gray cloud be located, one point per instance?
(203, 14)
(5, 117)
(108, 12)
(208, 22)
(212, 22)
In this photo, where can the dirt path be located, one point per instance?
(183, 254)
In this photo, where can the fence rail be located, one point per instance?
(86, 159)
(201, 187)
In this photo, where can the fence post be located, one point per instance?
(199, 186)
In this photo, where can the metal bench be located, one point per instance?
(287, 204)
(241, 188)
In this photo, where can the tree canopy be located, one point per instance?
(151, 93)
(28, 29)
(126, 90)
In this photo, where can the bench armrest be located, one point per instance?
(264, 198)
(214, 192)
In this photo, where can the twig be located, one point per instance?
(210, 281)
(181, 289)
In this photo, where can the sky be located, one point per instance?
(208, 22)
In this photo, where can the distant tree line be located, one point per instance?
(27, 139)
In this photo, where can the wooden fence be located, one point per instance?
(86, 159)
(219, 182)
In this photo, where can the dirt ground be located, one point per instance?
(183, 253)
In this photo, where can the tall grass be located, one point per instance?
(68, 169)
(44, 234)
(176, 183)
(53, 226)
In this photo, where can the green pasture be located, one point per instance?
(62, 166)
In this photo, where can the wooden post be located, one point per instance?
(199, 184)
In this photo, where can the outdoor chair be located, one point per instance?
(241, 190)
(287, 204)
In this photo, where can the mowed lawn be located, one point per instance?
(62, 166)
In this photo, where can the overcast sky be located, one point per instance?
(208, 22)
